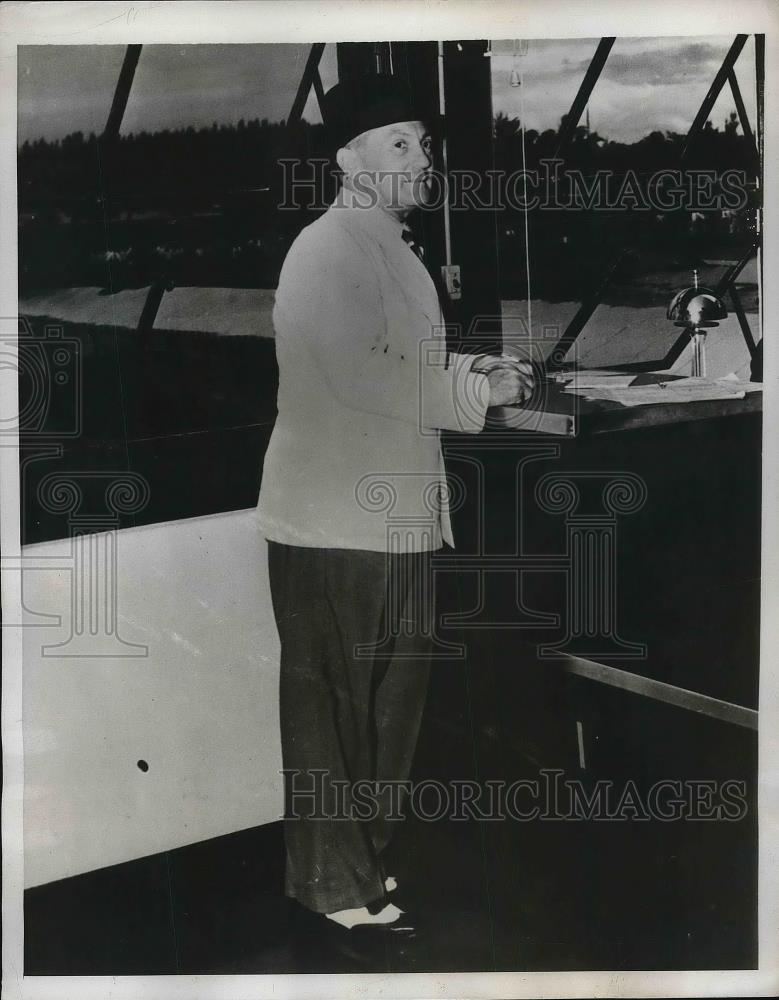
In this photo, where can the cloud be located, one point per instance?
(63, 89)
(647, 84)
(691, 61)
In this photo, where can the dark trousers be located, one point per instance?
(352, 714)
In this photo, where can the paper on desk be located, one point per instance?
(733, 379)
(594, 379)
(679, 391)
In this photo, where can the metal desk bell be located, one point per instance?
(697, 308)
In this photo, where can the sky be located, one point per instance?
(647, 84)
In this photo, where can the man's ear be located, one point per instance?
(347, 159)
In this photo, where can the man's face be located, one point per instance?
(395, 161)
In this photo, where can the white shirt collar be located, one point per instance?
(383, 225)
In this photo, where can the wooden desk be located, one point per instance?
(686, 560)
(569, 415)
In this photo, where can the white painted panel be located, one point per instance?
(200, 708)
(245, 312)
(231, 312)
(88, 305)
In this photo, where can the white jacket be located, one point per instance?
(365, 384)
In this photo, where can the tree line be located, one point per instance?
(146, 168)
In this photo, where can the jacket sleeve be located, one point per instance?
(329, 295)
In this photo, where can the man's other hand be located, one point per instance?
(511, 381)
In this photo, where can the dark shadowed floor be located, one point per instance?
(505, 895)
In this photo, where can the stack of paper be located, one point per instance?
(685, 390)
(594, 380)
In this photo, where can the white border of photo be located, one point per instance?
(67, 23)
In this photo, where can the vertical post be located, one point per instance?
(760, 96)
(474, 232)
(760, 126)
(355, 60)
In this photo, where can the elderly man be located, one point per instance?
(354, 501)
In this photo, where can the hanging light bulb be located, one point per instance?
(520, 49)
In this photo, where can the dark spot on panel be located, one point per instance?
(143, 766)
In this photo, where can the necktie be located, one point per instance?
(408, 238)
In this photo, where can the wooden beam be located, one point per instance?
(732, 273)
(122, 93)
(713, 93)
(304, 87)
(742, 111)
(573, 117)
(319, 90)
(584, 313)
(669, 694)
(743, 322)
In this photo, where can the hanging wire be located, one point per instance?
(520, 49)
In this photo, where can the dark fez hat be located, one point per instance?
(355, 106)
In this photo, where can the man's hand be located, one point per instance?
(511, 380)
